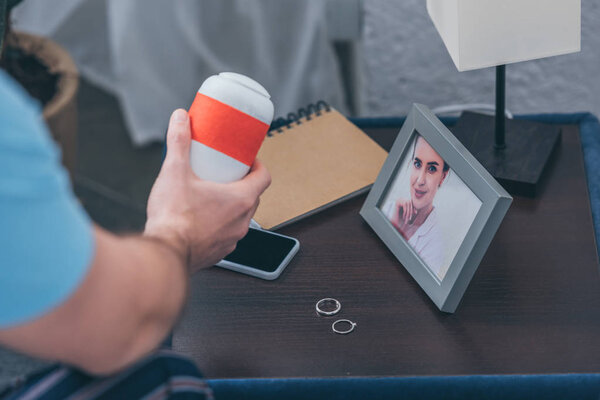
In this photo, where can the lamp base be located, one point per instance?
(520, 166)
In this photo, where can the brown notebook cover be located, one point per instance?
(315, 162)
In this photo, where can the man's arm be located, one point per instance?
(136, 285)
(125, 306)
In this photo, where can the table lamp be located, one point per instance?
(486, 33)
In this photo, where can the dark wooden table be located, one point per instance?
(533, 305)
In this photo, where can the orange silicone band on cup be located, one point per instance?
(226, 129)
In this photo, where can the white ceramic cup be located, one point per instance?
(230, 117)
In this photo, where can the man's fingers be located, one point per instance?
(179, 136)
(258, 179)
(253, 209)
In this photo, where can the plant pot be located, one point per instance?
(60, 113)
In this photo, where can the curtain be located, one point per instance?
(154, 54)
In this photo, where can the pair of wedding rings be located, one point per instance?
(328, 307)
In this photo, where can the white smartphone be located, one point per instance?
(262, 254)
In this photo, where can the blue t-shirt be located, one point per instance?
(46, 239)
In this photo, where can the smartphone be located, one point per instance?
(262, 254)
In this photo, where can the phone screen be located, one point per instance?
(261, 250)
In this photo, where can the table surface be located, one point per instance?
(533, 305)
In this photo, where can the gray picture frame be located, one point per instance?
(495, 201)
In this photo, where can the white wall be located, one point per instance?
(405, 61)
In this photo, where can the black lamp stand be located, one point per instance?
(515, 152)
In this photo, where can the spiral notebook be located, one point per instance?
(317, 158)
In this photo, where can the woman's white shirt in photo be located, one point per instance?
(427, 241)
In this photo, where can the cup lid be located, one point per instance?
(247, 82)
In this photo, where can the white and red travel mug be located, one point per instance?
(229, 118)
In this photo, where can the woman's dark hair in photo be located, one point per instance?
(446, 166)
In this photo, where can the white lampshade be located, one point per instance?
(486, 33)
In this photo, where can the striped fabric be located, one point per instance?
(163, 375)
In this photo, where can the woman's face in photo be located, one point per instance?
(427, 174)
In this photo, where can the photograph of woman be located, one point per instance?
(432, 220)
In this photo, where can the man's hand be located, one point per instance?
(201, 220)
(135, 287)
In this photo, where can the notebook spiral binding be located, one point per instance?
(313, 109)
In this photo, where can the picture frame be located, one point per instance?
(439, 239)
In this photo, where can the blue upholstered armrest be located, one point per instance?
(480, 387)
